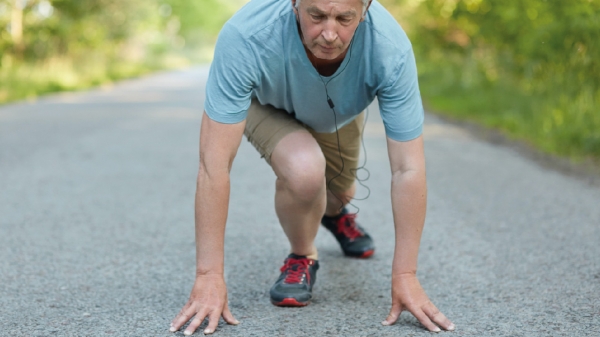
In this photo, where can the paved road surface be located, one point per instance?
(96, 228)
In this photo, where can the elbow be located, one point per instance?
(409, 177)
(407, 172)
(211, 171)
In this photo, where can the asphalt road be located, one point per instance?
(96, 228)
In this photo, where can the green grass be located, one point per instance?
(555, 123)
(27, 80)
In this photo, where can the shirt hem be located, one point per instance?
(230, 118)
(405, 136)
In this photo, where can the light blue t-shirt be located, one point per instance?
(259, 54)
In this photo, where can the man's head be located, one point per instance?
(328, 25)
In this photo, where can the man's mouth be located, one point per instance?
(328, 48)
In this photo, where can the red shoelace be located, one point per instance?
(347, 225)
(295, 268)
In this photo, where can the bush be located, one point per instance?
(530, 68)
(54, 45)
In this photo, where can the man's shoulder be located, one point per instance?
(385, 32)
(258, 15)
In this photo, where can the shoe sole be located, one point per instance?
(364, 255)
(367, 254)
(290, 302)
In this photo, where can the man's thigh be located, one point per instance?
(266, 126)
(339, 180)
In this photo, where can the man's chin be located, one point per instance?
(326, 55)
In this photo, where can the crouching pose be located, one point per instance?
(294, 77)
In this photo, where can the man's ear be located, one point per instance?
(366, 10)
(295, 10)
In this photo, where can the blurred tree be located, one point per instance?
(545, 49)
(38, 29)
(53, 45)
(16, 22)
(200, 20)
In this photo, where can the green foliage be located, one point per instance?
(206, 16)
(530, 68)
(53, 45)
(54, 27)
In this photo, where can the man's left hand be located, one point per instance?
(407, 294)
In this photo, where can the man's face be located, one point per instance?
(328, 25)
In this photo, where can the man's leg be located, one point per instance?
(336, 201)
(300, 196)
(341, 187)
(345, 144)
(300, 201)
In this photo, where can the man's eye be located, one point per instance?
(316, 17)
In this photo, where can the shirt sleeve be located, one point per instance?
(231, 79)
(400, 102)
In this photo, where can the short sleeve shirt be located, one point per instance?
(259, 55)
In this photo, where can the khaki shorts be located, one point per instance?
(267, 125)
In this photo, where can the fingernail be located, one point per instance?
(236, 322)
(187, 332)
(172, 329)
(451, 327)
(436, 329)
(386, 323)
(207, 331)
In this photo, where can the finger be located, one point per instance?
(392, 317)
(422, 317)
(183, 316)
(437, 317)
(228, 317)
(195, 323)
(213, 321)
(180, 313)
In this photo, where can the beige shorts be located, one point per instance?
(267, 125)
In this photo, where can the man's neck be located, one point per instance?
(325, 67)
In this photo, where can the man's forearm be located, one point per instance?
(212, 200)
(409, 203)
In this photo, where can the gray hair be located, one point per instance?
(364, 2)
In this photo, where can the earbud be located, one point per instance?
(295, 9)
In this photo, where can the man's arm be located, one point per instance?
(409, 203)
(218, 146)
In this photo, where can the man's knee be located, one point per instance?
(304, 176)
(300, 166)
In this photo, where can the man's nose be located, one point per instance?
(329, 32)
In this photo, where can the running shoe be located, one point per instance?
(353, 239)
(294, 286)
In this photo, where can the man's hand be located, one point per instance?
(208, 300)
(407, 294)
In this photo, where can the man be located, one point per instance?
(294, 79)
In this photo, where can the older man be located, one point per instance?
(294, 78)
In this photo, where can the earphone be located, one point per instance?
(331, 104)
(354, 172)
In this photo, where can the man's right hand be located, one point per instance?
(207, 300)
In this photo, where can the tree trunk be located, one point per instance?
(16, 25)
